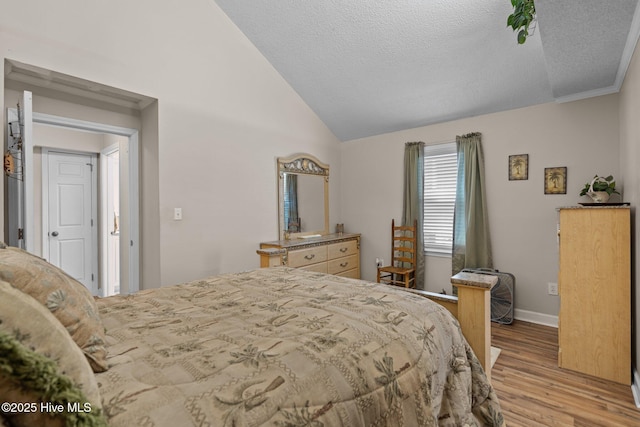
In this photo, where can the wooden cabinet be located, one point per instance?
(337, 254)
(594, 283)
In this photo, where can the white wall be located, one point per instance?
(582, 135)
(629, 161)
(224, 115)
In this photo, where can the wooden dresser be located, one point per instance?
(337, 254)
(594, 283)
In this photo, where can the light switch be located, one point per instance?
(177, 214)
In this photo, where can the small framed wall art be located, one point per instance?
(518, 167)
(555, 180)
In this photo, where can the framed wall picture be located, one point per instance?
(518, 167)
(555, 180)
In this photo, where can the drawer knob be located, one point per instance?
(310, 257)
(343, 250)
(344, 264)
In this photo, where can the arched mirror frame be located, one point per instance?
(302, 164)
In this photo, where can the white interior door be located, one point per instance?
(113, 197)
(71, 213)
(110, 219)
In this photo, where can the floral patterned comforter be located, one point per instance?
(287, 347)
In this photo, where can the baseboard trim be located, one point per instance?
(635, 387)
(539, 318)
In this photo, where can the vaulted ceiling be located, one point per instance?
(372, 67)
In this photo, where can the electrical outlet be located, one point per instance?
(379, 262)
(177, 214)
(553, 288)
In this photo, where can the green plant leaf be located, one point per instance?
(600, 186)
(524, 12)
(522, 36)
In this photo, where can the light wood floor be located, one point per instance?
(534, 392)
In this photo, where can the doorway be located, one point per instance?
(128, 203)
(137, 116)
(80, 195)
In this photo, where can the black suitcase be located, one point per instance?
(502, 294)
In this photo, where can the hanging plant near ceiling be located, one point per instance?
(524, 14)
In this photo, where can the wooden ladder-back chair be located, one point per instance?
(402, 271)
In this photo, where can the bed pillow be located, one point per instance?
(40, 363)
(30, 383)
(66, 298)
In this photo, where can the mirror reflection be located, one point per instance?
(303, 196)
(303, 203)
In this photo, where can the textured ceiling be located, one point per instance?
(371, 67)
(587, 44)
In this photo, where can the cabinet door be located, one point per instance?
(594, 333)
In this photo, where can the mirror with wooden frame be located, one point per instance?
(303, 196)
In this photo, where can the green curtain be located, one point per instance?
(291, 202)
(471, 242)
(413, 200)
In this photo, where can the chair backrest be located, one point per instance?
(404, 241)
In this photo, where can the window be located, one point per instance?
(440, 174)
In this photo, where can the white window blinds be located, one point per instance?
(440, 173)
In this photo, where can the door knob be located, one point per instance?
(54, 233)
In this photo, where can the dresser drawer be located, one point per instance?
(343, 264)
(337, 250)
(302, 257)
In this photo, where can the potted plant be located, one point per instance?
(522, 18)
(600, 189)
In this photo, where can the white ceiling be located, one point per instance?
(370, 67)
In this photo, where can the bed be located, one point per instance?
(273, 346)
